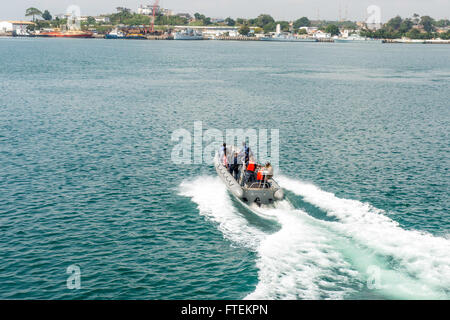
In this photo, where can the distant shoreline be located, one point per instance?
(243, 38)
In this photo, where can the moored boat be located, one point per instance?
(67, 34)
(355, 38)
(115, 34)
(135, 36)
(21, 33)
(286, 37)
(188, 34)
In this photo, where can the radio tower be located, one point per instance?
(155, 6)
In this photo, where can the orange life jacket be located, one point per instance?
(260, 175)
(251, 167)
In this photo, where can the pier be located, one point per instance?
(163, 37)
(417, 41)
(325, 40)
(238, 38)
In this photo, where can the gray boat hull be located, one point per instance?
(249, 194)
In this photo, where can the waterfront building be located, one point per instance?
(374, 26)
(443, 29)
(217, 20)
(370, 26)
(212, 31)
(148, 10)
(309, 30)
(14, 26)
(99, 19)
(319, 34)
(185, 15)
(102, 19)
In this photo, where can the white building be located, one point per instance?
(102, 19)
(212, 31)
(148, 10)
(217, 20)
(309, 30)
(374, 26)
(13, 26)
(99, 19)
(322, 35)
(61, 16)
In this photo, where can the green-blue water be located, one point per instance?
(86, 176)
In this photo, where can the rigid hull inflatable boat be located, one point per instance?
(248, 191)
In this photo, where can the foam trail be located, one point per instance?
(296, 262)
(213, 202)
(299, 262)
(418, 264)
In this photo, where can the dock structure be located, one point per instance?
(238, 38)
(417, 41)
(162, 37)
(325, 40)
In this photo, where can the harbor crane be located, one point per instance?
(155, 6)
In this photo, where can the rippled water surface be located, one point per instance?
(86, 176)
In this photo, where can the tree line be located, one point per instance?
(416, 27)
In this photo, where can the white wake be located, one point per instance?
(296, 262)
(362, 251)
(411, 264)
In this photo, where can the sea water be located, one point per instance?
(87, 179)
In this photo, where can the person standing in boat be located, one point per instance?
(234, 165)
(223, 156)
(222, 150)
(246, 154)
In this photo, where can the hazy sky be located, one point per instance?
(280, 9)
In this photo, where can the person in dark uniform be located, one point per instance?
(234, 166)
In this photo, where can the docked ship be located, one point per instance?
(253, 184)
(356, 38)
(135, 36)
(286, 37)
(67, 34)
(188, 34)
(115, 34)
(21, 33)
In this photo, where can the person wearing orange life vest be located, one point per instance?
(260, 175)
(249, 173)
(264, 174)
